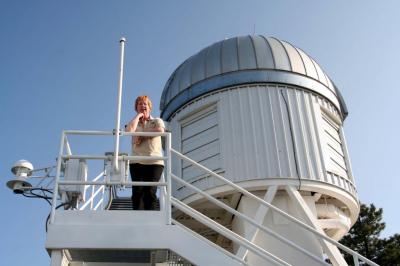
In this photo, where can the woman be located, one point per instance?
(149, 171)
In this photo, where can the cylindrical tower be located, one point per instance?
(262, 113)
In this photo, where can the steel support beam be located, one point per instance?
(258, 218)
(331, 250)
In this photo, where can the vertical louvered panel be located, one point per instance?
(336, 161)
(200, 142)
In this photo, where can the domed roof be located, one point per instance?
(243, 60)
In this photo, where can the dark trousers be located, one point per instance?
(146, 173)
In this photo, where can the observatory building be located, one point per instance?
(256, 170)
(263, 114)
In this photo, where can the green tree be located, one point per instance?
(389, 253)
(363, 238)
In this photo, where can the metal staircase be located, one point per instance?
(89, 234)
(122, 204)
(125, 204)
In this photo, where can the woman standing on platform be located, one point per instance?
(148, 171)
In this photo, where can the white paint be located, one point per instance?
(283, 227)
(255, 139)
(124, 230)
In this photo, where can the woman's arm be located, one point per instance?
(157, 126)
(132, 126)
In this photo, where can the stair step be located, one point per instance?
(125, 203)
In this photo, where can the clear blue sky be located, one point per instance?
(59, 70)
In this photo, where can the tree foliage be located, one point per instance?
(389, 252)
(364, 238)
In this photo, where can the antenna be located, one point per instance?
(118, 120)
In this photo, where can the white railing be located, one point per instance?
(100, 191)
(96, 199)
(103, 183)
(248, 219)
(356, 257)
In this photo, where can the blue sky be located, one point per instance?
(59, 70)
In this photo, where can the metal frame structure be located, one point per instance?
(330, 246)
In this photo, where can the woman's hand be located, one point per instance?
(138, 119)
(139, 116)
(132, 125)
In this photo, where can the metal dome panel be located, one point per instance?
(247, 57)
(213, 60)
(229, 55)
(244, 60)
(281, 57)
(264, 56)
(295, 58)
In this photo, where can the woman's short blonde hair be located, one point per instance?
(143, 98)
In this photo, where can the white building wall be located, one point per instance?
(266, 131)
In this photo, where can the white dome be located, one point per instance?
(244, 60)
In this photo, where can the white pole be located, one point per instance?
(57, 179)
(168, 177)
(117, 124)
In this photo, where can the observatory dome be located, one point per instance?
(244, 60)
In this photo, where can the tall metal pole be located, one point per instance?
(118, 120)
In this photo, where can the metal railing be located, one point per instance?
(248, 219)
(356, 257)
(66, 154)
(96, 199)
(94, 193)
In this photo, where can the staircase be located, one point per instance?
(122, 204)
(128, 237)
(92, 236)
(125, 204)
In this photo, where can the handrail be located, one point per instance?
(64, 144)
(112, 194)
(110, 133)
(226, 232)
(127, 183)
(90, 201)
(168, 170)
(57, 178)
(94, 194)
(108, 157)
(163, 194)
(67, 147)
(88, 132)
(250, 220)
(288, 216)
(169, 201)
(98, 204)
(226, 252)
